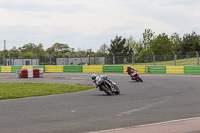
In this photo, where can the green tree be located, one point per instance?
(38, 50)
(144, 56)
(31, 51)
(176, 43)
(148, 36)
(59, 49)
(81, 53)
(50, 52)
(103, 50)
(117, 46)
(27, 48)
(4, 55)
(14, 52)
(190, 44)
(133, 46)
(28, 55)
(161, 45)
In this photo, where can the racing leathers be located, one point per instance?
(105, 78)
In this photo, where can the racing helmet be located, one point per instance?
(93, 76)
(128, 66)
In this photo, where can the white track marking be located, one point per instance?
(143, 108)
(153, 124)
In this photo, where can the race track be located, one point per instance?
(159, 98)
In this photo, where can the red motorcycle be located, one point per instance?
(135, 76)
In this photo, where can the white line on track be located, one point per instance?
(143, 108)
(146, 125)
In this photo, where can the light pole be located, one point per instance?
(95, 59)
(113, 59)
(8, 61)
(153, 58)
(80, 59)
(132, 58)
(174, 58)
(89, 51)
(89, 59)
(197, 57)
(50, 57)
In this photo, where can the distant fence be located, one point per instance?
(107, 69)
(113, 59)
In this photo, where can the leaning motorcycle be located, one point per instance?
(135, 76)
(106, 86)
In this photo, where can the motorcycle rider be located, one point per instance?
(93, 77)
(130, 70)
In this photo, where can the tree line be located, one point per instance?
(160, 44)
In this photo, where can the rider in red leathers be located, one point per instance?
(133, 74)
(130, 70)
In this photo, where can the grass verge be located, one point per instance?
(179, 62)
(29, 89)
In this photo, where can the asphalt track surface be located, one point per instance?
(158, 99)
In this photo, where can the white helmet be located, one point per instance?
(93, 76)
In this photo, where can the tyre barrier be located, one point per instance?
(104, 69)
(29, 73)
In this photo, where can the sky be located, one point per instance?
(88, 24)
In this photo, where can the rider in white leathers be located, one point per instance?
(93, 77)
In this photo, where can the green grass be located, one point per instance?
(28, 89)
(179, 62)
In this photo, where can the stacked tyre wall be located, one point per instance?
(107, 69)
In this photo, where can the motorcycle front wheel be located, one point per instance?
(140, 79)
(117, 91)
(106, 90)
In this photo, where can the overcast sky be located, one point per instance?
(87, 24)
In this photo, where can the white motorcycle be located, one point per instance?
(105, 85)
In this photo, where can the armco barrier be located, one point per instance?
(140, 69)
(175, 69)
(92, 69)
(156, 69)
(53, 69)
(191, 69)
(14, 68)
(73, 69)
(113, 69)
(6, 69)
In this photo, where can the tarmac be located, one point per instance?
(190, 125)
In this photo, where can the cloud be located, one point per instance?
(81, 22)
